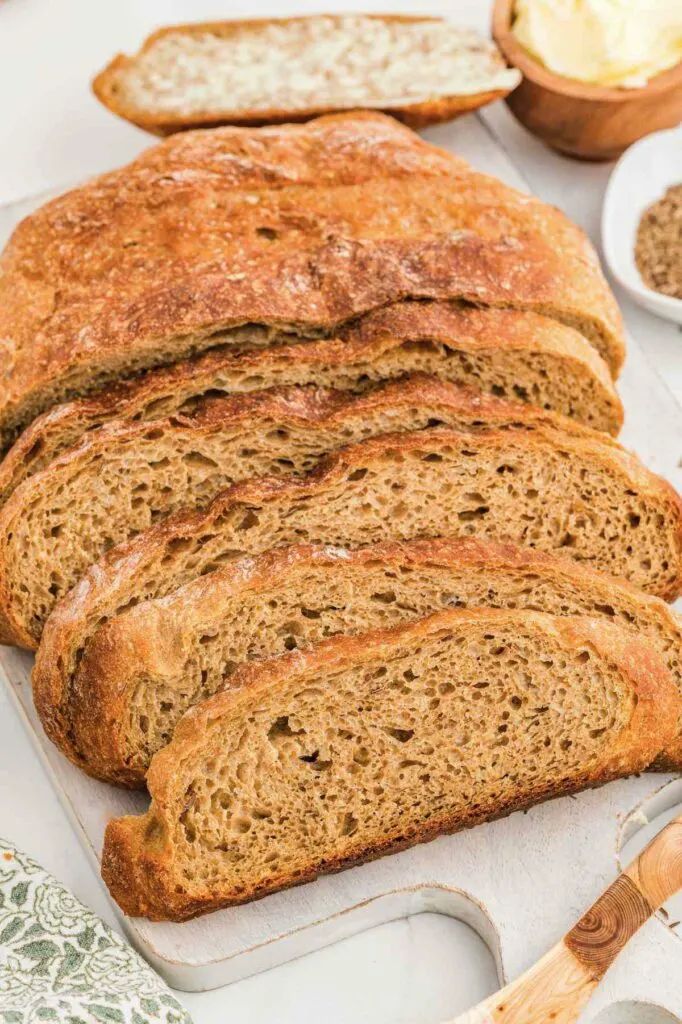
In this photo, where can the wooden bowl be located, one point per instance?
(591, 122)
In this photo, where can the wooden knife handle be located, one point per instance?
(556, 989)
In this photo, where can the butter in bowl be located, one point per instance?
(597, 75)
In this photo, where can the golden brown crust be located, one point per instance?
(416, 115)
(117, 573)
(463, 329)
(137, 859)
(160, 632)
(300, 227)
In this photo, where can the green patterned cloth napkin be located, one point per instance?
(59, 962)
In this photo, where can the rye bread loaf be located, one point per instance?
(123, 477)
(521, 356)
(365, 745)
(147, 666)
(586, 498)
(298, 229)
(269, 70)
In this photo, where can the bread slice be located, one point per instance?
(514, 355)
(123, 477)
(269, 70)
(297, 230)
(585, 498)
(365, 745)
(147, 666)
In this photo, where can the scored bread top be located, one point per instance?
(189, 854)
(504, 352)
(298, 228)
(164, 655)
(584, 498)
(422, 70)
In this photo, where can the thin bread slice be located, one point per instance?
(123, 477)
(586, 498)
(365, 745)
(297, 230)
(147, 666)
(268, 70)
(514, 355)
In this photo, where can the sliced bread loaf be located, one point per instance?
(521, 356)
(297, 229)
(365, 745)
(147, 666)
(123, 477)
(269, 70)
(584, 497)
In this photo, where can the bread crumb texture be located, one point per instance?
(591, 501)
(500, 352)
(147, 666)
(134, 474)
(319, 760)
(319, 62)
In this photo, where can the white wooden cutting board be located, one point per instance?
(521, 883)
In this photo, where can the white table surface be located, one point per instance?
(52, 133)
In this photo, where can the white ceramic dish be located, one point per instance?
(640, 177)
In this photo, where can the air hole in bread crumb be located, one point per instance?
(250, 520)
(199, 460)
(474, 513)
(281, 728)
(34, 450)
(402, 735)
(177, 546)
(349, 824)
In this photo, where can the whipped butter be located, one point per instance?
(604, 42)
